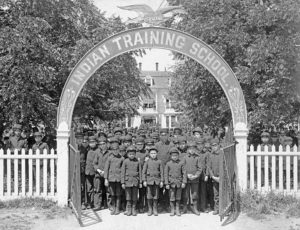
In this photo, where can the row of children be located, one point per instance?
(168, 174)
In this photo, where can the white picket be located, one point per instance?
(1, 173)
(30, 180)
(252, 172)
(266, 169)
(37, 175)
(273, 172)
(295, 173)
(288, 173)
(52, 174)
(45, 173)
(16, 182)
(258, 172)
(8, 178)
(23, 173)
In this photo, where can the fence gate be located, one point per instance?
(74, 178)
(228, 197)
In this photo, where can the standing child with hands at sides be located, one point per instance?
(175, 180)
(213, 167)
(131, 180)
(112, 175)
(153, 178)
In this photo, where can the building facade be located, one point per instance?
(156, 110)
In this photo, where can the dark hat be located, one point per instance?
(113, 139)
(178, 128)
(131, 148)
(92, 139)
(197, 129)
(127, 138)
(17, 126)
(118, 129)
(101, 132)
(181, 139)
(214, 141)
(139, 139)
(265, 134)
(164, 130)
(192, 144)
(173, 150)
(79, 135)
(102, 140)
(38, 134)
(149, 141)
(153, 148)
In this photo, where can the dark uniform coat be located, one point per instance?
(213, 164)
(113, 165)
(89, 167)
(192, 166)
(175, 173)
(41, 146)
(100, 160)
(163, 152)
(153, 172)
(17, 143)
(131, 174)
(203, 162)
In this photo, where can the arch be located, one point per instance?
(152, 37)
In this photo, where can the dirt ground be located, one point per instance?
(23, 219)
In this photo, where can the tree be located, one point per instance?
(40, 42)
(257, 39)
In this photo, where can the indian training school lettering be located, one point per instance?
(148, 39)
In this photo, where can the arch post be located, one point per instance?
(240, 134)
(63, 134)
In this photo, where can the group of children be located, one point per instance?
(146, 173)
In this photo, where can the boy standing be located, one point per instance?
(193, 170)
(153, 178)
(175, 180)
(213, 168)
(112, 175)
(131, 180)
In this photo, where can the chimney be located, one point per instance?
(156, 64)
(140, 66)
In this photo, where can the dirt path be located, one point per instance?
(164, 221)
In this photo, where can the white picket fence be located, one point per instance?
(27, 173)
(278, 171)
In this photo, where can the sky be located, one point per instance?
(163, 57)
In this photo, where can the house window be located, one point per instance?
(173, 121)
(149, 81)
(167, 122)
(169, 82)
(168, 104)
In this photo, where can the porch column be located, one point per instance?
(163, 121)
(62, 164)
(240, 134)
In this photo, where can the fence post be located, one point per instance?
(1, 173)
(240, 134)
(62, 164)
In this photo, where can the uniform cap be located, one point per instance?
(77, 135)
(85, 138)
(113, 139)
(102, 140)
(153, 148)
(214, 141)
(38, 134)
(118, 129)
(197, 129)
(164, 130)
(178, 128)
(155, 134)
(265, 134)
(92, 139)
(131, 148)
(173, 150)
(139, 139)
(192, 144)
(17, 126)
(149, 141)
(127, 138)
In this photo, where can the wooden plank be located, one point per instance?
(288, 173)
(52, 174)
(273, 172)
(266, 172)
(23, 191)
(259, 172)
(45, 166)
(1, 173)
(252, 172)
(280, 173)
(30, 181)
(16, 182)
(295, 172)
(38, 178)
(8, 179)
